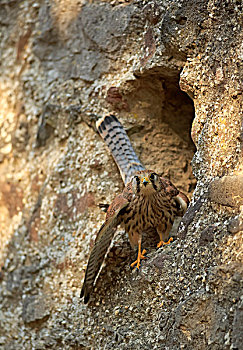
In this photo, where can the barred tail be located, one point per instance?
(115, 137)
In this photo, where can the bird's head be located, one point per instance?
(146, 182)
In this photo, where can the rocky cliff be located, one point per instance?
(171, 71)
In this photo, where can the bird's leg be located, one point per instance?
(161, 242)
(140, 255)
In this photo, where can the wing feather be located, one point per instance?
(102, 243)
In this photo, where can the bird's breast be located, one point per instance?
(144, 213)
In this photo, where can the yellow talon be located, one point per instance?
(140, 257)
(161, 243)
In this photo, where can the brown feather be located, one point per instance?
(148, 202)
(102, 243)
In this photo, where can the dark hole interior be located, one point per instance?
(164, 117)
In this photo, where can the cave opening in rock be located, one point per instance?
(165, 114)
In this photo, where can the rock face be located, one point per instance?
(64, 64)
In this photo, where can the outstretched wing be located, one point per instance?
(102, 243)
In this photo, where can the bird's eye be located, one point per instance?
(152, 176)
(136, 178)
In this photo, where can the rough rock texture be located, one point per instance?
(64, 64)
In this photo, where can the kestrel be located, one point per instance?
(147, 202)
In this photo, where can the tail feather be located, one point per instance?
(115, 137)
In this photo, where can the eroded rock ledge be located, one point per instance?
(65, 63)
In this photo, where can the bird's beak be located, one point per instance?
(145, 181)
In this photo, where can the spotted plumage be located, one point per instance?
(147, 202)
